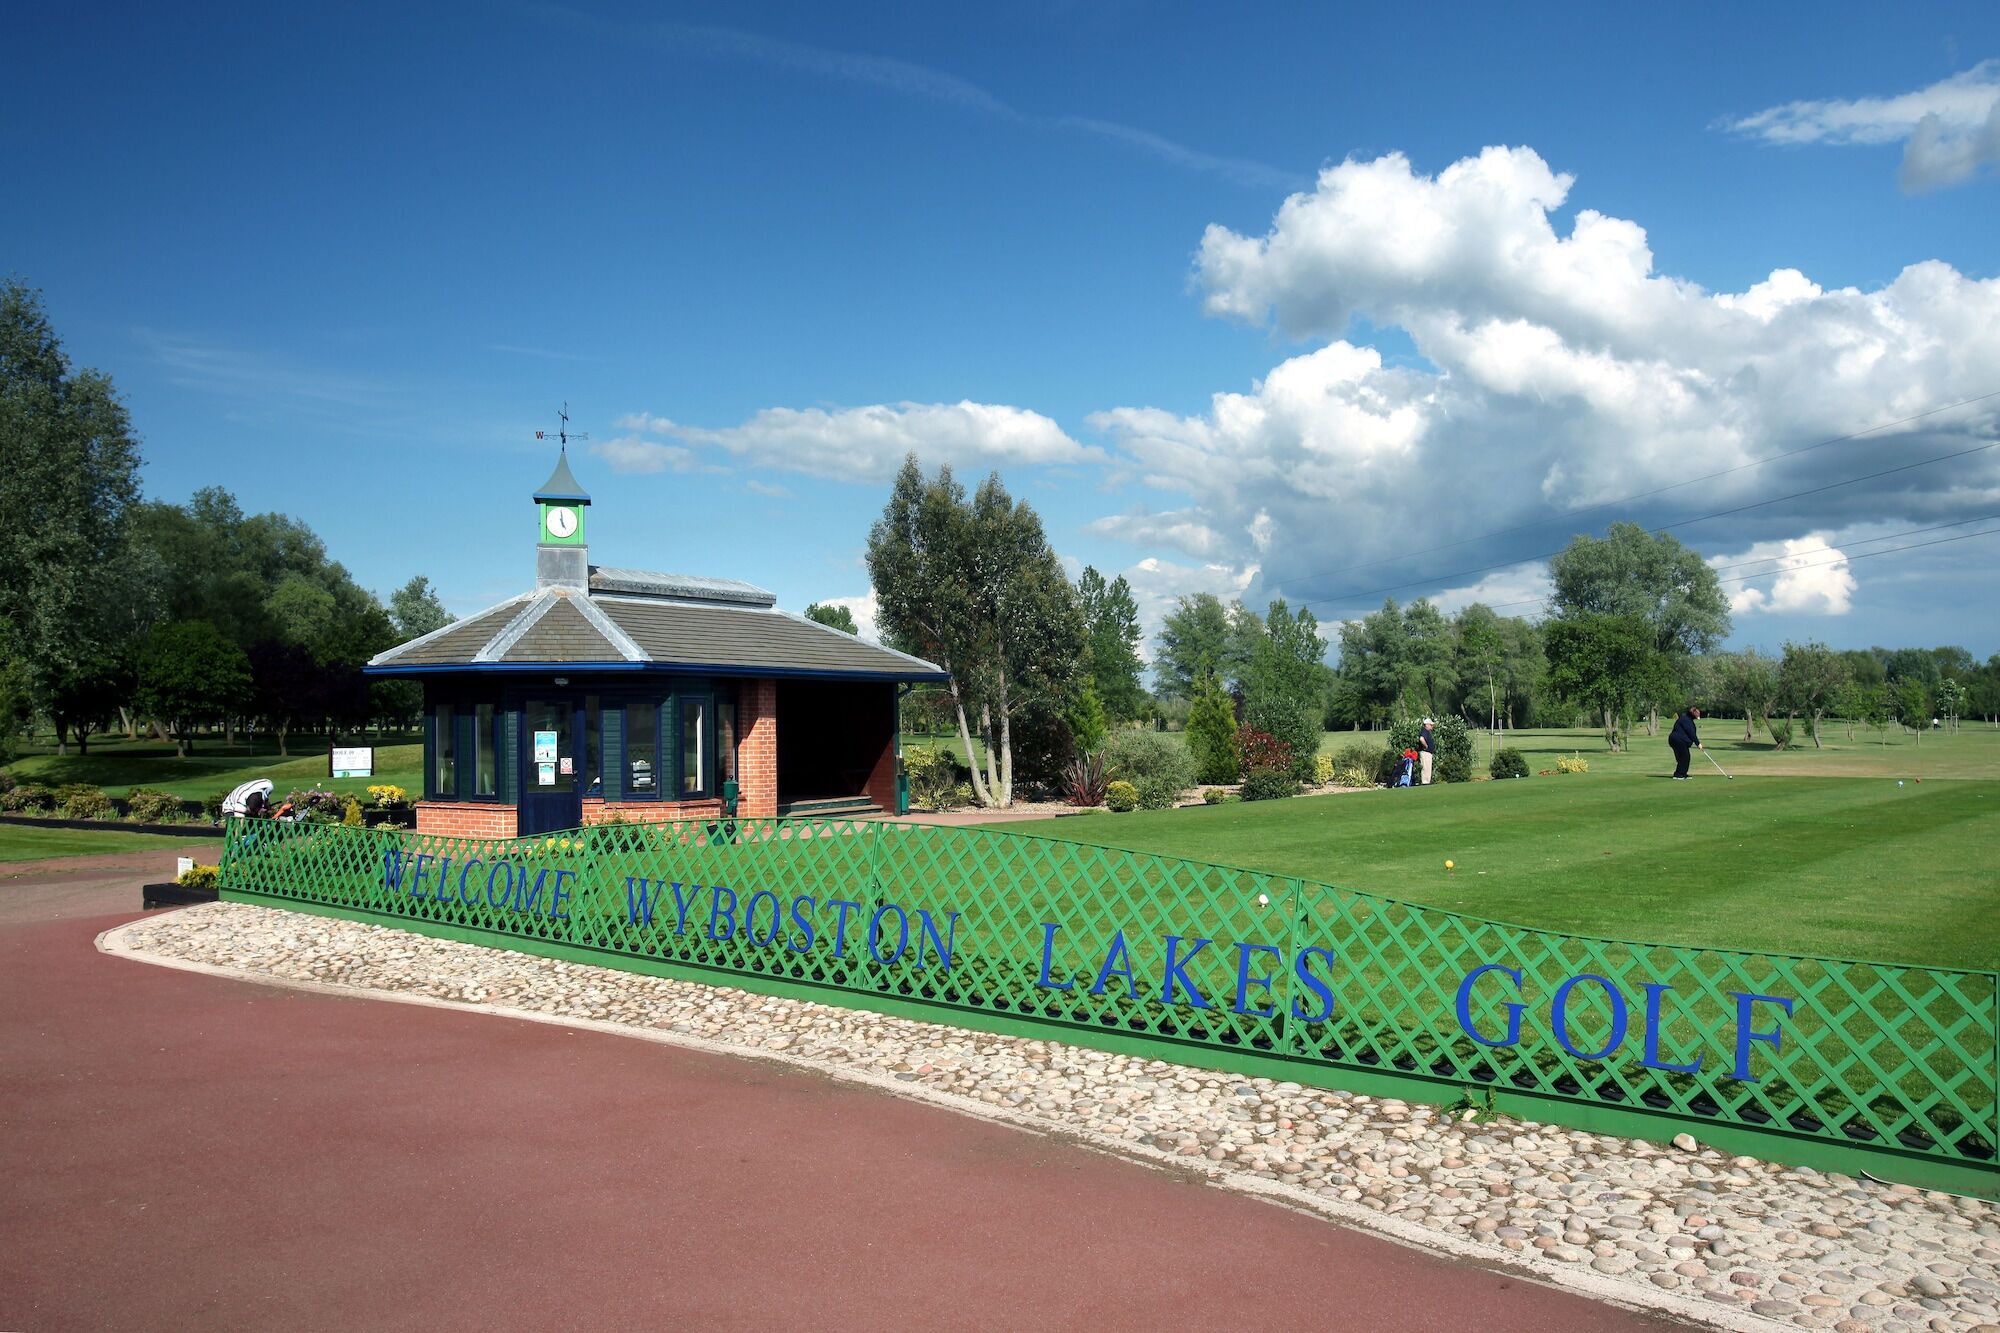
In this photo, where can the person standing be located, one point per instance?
(1684, 741)
(1426, 751)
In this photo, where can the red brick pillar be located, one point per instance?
(881, 788)
(757, 748)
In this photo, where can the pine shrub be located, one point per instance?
(1120, 797)
(1509, 763)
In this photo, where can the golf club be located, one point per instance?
(1718, 767)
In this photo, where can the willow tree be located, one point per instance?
(974, 586)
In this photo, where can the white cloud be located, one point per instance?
(632, 453)
(1521, 591)
(1948, 130)
(768, 490)
(1808, 576)
(864, 610)
(1157, 584)
(1560, 371)
(869, 443)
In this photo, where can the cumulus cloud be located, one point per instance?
(1806, 576)
(864, 610)
(869, 443)
(1948, 130)
(1559, 371)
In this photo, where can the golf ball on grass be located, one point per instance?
(1447, 865)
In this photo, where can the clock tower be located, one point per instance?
(562, 559)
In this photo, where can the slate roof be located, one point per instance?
(635, 620)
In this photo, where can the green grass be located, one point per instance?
(120, 765)
(1852, 867)
(39, 844)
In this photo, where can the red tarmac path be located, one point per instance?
(186, 1151)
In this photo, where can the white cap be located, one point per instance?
(1429, 723)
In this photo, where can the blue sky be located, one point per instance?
(1263, 302)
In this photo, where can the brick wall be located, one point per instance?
(757, 748)
(647, 812)
(467, 819)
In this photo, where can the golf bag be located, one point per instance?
(1406, 772)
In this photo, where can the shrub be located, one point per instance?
(1211, 733)
(1261, 750)
(1353, 776)
(315, 806)
(7, 783)
(350, 812)
(27, 799)
(1454, 749)
(1132, 755)
(1292, 722)
(80, 800)
(198, 877)
(1781, 731)
(1509, 763)
(934, 777)
(1120, 797)
(1322, 770)
(1269, 784)
(1385, 766)
(1575, 763)
(154, 807)
(1214, 796)
(1083, 780)
(1157, 794)
(212, 805)
(386, 796)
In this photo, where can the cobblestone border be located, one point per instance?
(1729, 1242)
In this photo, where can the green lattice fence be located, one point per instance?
(1178, 953)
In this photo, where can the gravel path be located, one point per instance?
(1727, 1240)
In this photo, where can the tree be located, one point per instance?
(1085, 717)
(1951, 698)
(1211, 732)
(414, 609)
(1374, 653)
(68, 482)
(1194, 642)
(85, 698)
(1602, 662)
(189, 674)
(1111, 622)
(1428, 675)
(976, 588)
(1478, 651)
(1631, 572)
(1912, 700)
(1810, 678)
(1286, 678)
(1748, 682)
(833, 617)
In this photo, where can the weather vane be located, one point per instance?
(562, 430)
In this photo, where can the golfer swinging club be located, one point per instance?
(1683, 740)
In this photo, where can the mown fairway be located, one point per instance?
(20, 843)
(1853, 867)
(119, 765)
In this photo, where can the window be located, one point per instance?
(642, 749)
(548, 728)
(593, 745)
(482, 750)
(725, 742)
(694, 713)
(444, 774)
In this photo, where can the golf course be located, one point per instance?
(1861, 850)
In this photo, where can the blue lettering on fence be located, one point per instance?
(765, 919)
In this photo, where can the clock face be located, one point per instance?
(562, 522)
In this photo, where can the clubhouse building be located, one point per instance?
(609, 693)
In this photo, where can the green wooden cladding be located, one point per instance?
(1021, 933)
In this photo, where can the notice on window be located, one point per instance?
(566, 766)
(545, 747)
(545, 775)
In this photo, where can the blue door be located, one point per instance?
(552, 769)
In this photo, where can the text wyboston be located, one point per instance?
(891, 934)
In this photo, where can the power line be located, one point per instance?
(1842, 548)
(1433, 579)
(1662, 490)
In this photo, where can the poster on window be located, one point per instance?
(545, 775)
(545, 747)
